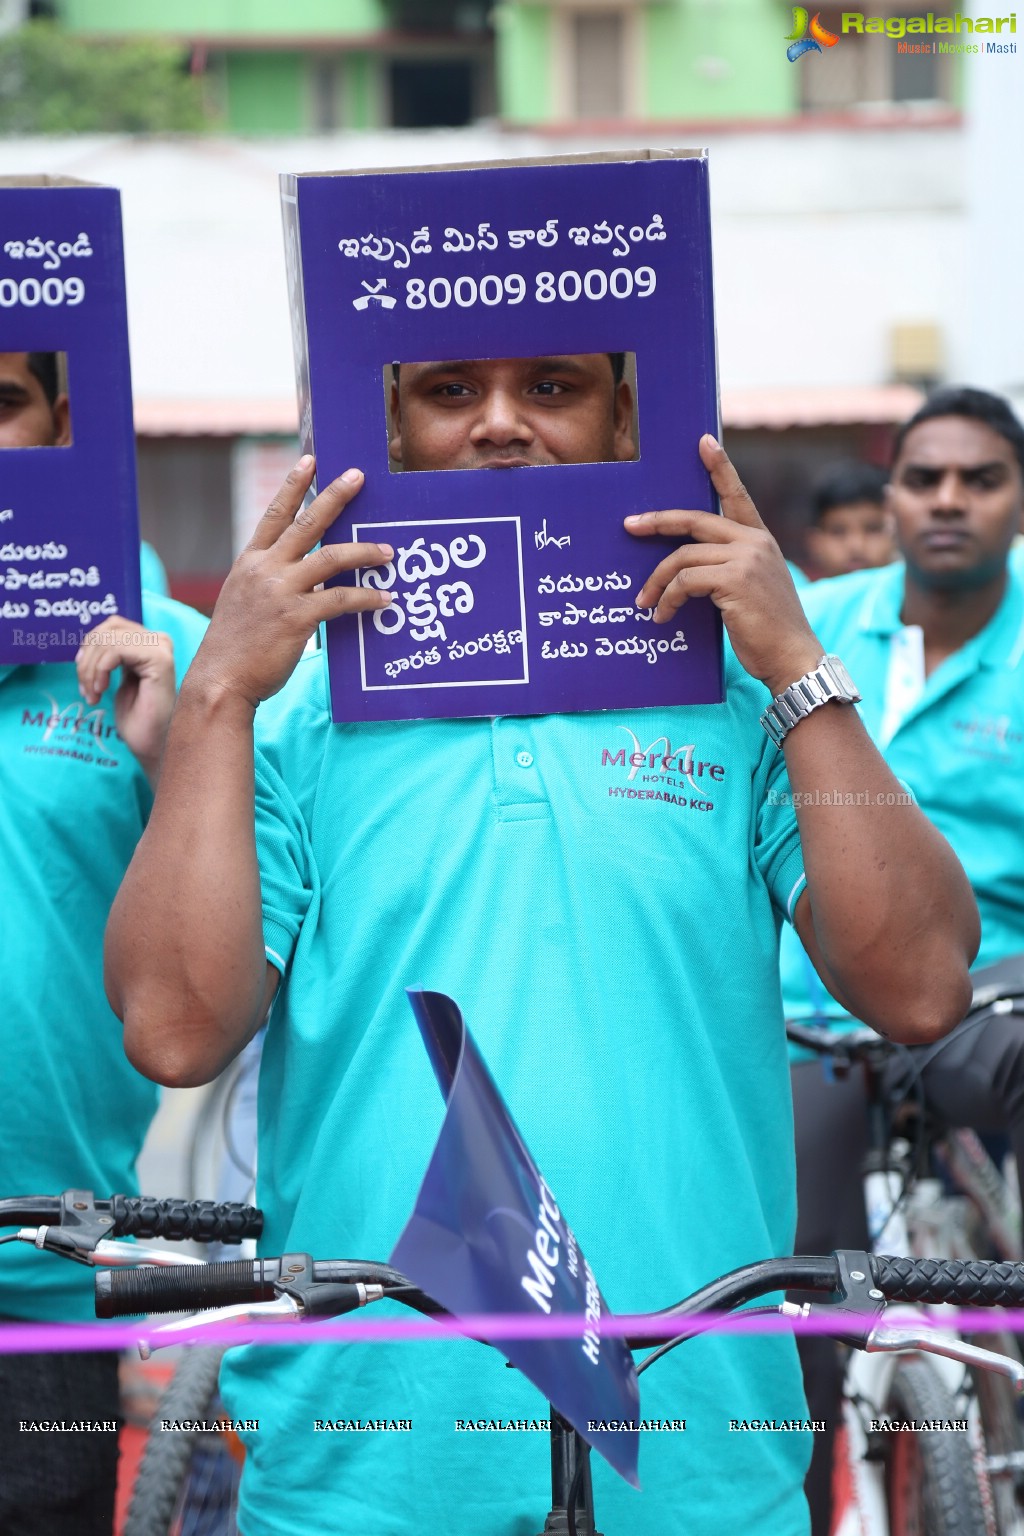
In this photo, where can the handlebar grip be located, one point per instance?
(202, 1221)
(964, 1281)
(184, 1288)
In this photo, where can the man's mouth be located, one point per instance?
(945, 538)
(499, 462)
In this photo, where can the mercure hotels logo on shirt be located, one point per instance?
(939, 28)
(665, 772)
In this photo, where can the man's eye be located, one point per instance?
(452, 391)
(548, 387)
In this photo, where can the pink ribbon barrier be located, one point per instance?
(48, 1338)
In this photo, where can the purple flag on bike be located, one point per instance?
(487, 1235)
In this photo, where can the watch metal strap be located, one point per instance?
(829, 680)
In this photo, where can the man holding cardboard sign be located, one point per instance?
(79, 759)
(602, 894)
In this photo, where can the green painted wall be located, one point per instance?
(220, 18)
(720, 58)
(359, 98)
(522, 63)
(265, 92)
(701, 59)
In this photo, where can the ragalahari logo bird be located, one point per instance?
(799, 43)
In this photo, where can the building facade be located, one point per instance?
(327, 65)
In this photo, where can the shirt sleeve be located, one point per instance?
(777, 851)
(286, 865)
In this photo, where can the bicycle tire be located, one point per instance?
(931, 1480)
(997, 1432)
(166, 1460)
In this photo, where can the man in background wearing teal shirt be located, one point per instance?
(78, 764)
(937, 647)
(615, 954)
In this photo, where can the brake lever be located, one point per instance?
(297, 1304)
(283, 1309)
(895, 1336)
(106, 1253)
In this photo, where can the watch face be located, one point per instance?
(841, 676)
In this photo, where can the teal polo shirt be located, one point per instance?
(956, 739)
(74, 805)
(154, 576)
(602, 895)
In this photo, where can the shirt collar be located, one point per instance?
(1000, 643)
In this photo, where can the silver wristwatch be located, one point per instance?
(829, 680)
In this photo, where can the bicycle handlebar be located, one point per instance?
(135, 1292)
(201, 1221)
(966, 1282)
(123, 1293)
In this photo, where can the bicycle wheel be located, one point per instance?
(187, 1479)
(930, 1477)
(997, 1439)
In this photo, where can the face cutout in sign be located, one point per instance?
(487, 1236)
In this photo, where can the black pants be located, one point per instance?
(975, 1077)
(55, 1482)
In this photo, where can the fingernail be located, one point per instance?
(386, 551)
(709, 438)
(352, 476)
(306, 462)
(635, 517)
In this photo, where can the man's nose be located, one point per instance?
(501, 420)
(947, 496)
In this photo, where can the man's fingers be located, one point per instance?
(309, 524)
(691, 581)
(281, 512)
(94, 666)
(706, 527)
(117, 643)
(329, 602)
(677, 569)
(331, 559)
(736, 503)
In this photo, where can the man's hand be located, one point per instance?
(273, 599)
(735, 561)
(145, 699)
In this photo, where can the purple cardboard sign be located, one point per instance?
(487, 1236)
(514, 592)
(69, 541)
